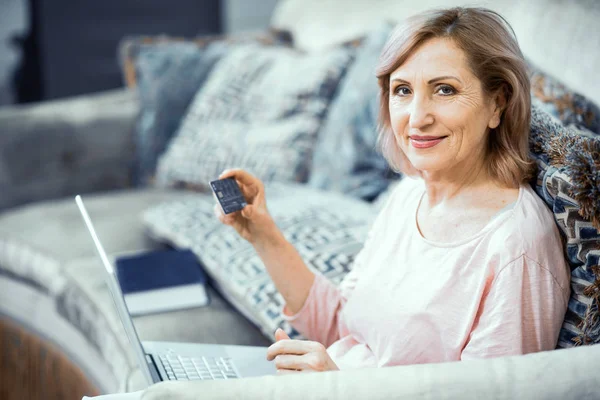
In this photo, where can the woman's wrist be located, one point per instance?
(271, 237)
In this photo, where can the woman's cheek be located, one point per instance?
(398, 119)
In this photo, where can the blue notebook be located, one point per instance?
(161, 281)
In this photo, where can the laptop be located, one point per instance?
(164, 361)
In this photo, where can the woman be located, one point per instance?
(464, 261)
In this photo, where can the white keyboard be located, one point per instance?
(197, 368)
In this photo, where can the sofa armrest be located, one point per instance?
(64, 147)
(558, 374)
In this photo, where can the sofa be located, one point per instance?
(112, 148)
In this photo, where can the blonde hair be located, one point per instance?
(494, 57)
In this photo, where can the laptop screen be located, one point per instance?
(117, 295)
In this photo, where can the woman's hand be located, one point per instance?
(298, 355)
(253, 222)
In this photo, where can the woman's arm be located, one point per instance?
(292, 278)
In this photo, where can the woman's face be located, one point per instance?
(438, 111)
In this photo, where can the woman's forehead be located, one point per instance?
(436, 57)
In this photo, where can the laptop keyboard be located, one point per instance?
(181, 368)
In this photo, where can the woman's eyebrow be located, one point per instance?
(439, 78)
(399, 80)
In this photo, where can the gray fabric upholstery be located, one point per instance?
(55, 227)
(60, 148)
(47, 246)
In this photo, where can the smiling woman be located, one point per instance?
(457, 75)
(464, 260)
(455, 111)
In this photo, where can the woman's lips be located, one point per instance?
(425, 142)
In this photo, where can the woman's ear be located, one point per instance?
(499, 104)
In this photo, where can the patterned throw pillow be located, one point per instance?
(259, 110)
(568, 180)
(327, 237)
(345, 158)
(167, 72)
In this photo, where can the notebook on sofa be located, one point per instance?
(160, 281)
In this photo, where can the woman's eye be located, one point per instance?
(402, 91)
(445, 90)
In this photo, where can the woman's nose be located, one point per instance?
(420, 112)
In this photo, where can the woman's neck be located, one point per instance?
(446, 186)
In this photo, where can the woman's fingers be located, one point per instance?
(249, 184)
(248, 211)
(280, 334)
(303, 355)
(291, 362)
(244, 177)
(227, 219)
(289, 346)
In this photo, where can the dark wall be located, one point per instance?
(72, 47)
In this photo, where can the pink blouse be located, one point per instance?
(409, 300)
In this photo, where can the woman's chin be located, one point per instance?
(427, 164)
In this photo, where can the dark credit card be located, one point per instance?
(229, 195)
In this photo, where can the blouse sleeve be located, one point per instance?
(521, 313)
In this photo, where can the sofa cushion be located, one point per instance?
(326, 237)
(260, 110)
(167, 73)
(345, 157)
